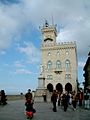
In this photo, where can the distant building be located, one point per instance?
(59, 63)
(87, 73)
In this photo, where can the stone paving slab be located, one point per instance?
(15, 110)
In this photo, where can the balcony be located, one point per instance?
(57, 70)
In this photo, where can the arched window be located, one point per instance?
(49, 65)
(67, 52)
(68, 76)
(49, 53)
(58, 64)
(67, 64)
(58, 53)
(49, 77)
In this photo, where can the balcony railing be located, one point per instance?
(57, 70)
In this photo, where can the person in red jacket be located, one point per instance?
(80, 98)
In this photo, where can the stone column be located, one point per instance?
(41, 82)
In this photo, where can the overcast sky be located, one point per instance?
(20, 37)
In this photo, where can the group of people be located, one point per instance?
(29, 103)
(3, 99)
(70, 98)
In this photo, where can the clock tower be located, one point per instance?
(58, 65)
(49, 34)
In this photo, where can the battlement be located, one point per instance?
(61, 45)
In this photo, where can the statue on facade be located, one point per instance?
(41, 68)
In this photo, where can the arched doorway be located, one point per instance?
(50, 87)
(59, 87)
(68, 87)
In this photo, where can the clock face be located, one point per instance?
(48, 40)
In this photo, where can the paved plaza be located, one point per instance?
(15, 110)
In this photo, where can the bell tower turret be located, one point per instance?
(49, 34)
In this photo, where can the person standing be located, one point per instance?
(80, 98)
(28, 95)
(65, 100)
(70, 98)
(86, 99)
(44, 97)
(59, 98)
(54, 100)
(74, 100)
(29, 103)
(3, 97)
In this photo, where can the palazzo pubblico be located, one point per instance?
(59, 64)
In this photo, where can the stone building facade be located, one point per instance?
(59, 63)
